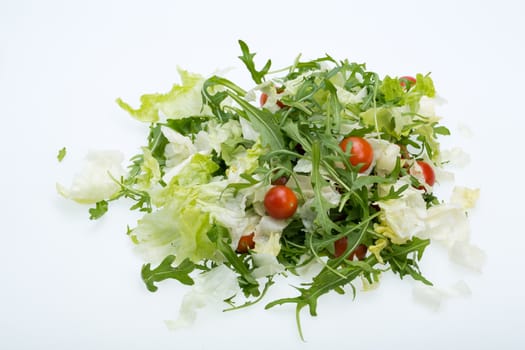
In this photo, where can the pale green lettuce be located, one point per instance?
(211, 287)
(243, 161)
(181, 101)
(98, 179)
(178, 149)
(180, 229)
(395, 121)
(181, 224)
(151, 173)
(189, 206)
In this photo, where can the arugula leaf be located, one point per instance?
(247, 59)
(330, 278)
(320, 202)
(165, 270)
(336, 275)
(187, 126)
(141, 198)
(100, 209)
(214, 97)
(267, 285)
(261, 119)
(61, 154)
(400, 262)
(157, 143)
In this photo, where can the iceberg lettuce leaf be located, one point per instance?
(181, 101)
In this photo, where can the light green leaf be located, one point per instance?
(61, 154)
(181, 101)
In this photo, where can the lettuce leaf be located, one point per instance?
(181, 101)
(392, 90)
(150, 170)
(96, 181)
(181, 224)
(189, 206)
(178, 229)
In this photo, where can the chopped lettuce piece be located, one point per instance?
(405, 215)
(178, 229)
(181, 101)
(98, 178)
(210, 288)
(150, 171)
(465, 197)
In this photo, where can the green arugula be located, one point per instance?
(99, 210)
(61, 154)
(338, 273)
(165, 271)
(247, 59)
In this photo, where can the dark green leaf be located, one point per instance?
(157, 143)
(398, 256)
(262, 121)
(213, 97)
(166, 271)
(100, 209)
(318, 183)
(330, 278)
(187, 126)
(247, 59)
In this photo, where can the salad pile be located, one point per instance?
(322, 163)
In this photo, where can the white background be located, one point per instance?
(70, 283)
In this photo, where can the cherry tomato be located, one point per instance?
(407, 81)
(264, 98)
(340, 246)
(360, 252)
(361, 152)
(342, 243)
(245, 243)
(282, 180)
(428, 172)
(280, 202)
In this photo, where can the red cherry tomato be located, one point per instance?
(282, 180)
(360, 252)
(245, 243)
(428, 172)
(361, 152)
(264, 98)
(280, 202)
(340, 246)
(342, 243)
(407, 81)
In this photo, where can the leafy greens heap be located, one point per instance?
(212, 154)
